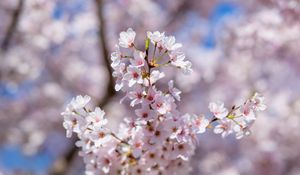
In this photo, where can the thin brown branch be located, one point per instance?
(12, 27)
(177, 15)
(110, 88)
(110, 92)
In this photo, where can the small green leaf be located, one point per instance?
(230, 116)
(147, 43)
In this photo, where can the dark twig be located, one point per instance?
(177, 15)
(110, 88)
(12, 26)
(110, 92)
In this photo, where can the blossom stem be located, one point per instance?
(213, 120)
(119, 139)
(86, 110)
(154, 50)
(164, 64)
(233, 109)
(77, 113)
(126, 56)
(147, 42)
(160, 57)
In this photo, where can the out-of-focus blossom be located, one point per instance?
(218, 109)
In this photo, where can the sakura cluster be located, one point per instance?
(159, 139)
(239, 119)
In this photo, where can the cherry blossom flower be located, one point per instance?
(247, 112)
(173, 127)
(159, 134)
(174, 91)
(199, 124)
(105, 162)
(156, 37)
(151, 158)
(258, 102)
(99, 135)
(137, 143)
(218, 109)
(119, 73)
(136, 96)
(183, 150)
(85, 143)
(145, 113)
(151, 94)
(139, 59)
(78, 102)
(133, 76)
(127, 38)
(224, 128)
(155, 76)
(73, 123)
(186, 67)
(116, 57)
(178, 61)
(97, 117)
(241, 132)
(162, 104)
(169, 43)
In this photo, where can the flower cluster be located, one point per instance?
(239, 119)
(159, 140)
